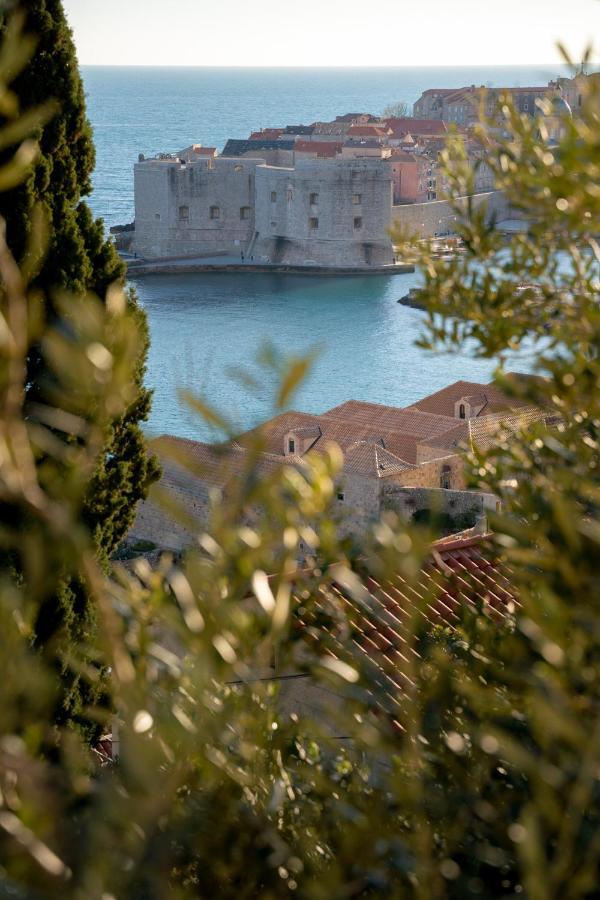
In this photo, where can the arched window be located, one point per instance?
(462, 414)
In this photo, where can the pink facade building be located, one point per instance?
(409, 181)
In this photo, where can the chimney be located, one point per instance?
(481, 524)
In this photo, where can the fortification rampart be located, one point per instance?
(324, 213)
(190, 209)
(318, 213)
(437, 218)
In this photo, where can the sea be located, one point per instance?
(222, 337)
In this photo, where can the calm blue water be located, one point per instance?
(204, 326)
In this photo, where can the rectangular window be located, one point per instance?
(291, 446)
(313, 223)
(357, 199)
(244, 212)
(238, 168)
(341, 496)
(215, 212)
(357, 222)
(184, 212)
(314, 199)
(289, 195)
(273, 196)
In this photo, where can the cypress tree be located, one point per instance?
(79, 259)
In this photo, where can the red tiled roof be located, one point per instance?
(442, 402)
(375, 415)
(398, 431)
(266, 134)
(418, 127)
(462, 570)
(321, 148)
(367, 131)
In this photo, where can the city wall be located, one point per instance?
(436, 217)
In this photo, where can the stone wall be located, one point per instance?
(324, 213)
(437, 217)
(186, 492)
(406, 501)
(193, 209)
(429, 473)
(357, 503)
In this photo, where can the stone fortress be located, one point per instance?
(320, 195)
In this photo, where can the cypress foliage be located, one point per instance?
(79, 259)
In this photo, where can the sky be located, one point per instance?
(330, 32)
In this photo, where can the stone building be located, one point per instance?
(203, 207)
(406, 460)
(463, 106)
(323, 214)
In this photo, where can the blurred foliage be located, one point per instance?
(47, 158)
(478, 779)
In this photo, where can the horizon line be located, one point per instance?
(325, 66)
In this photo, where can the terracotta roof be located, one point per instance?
(408, 421)
(321, 148)
(462, 570)
(488, 431)
(442, 402)
(367, 131)
(453, 439)
(185, 461)
(397, 434)
(408, 125)
(369, 458)
(266, 134)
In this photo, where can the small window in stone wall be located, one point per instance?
(289, 195)
(273, 196)
(357, 223)
(314, 199)
(313, 223)
(244, 212)
(157, 216)
(291, 445)
(462, 413)
(357, 199)
(215, 212)
(184, 212)
(238, 168)
(445, 477)
(341, 496)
